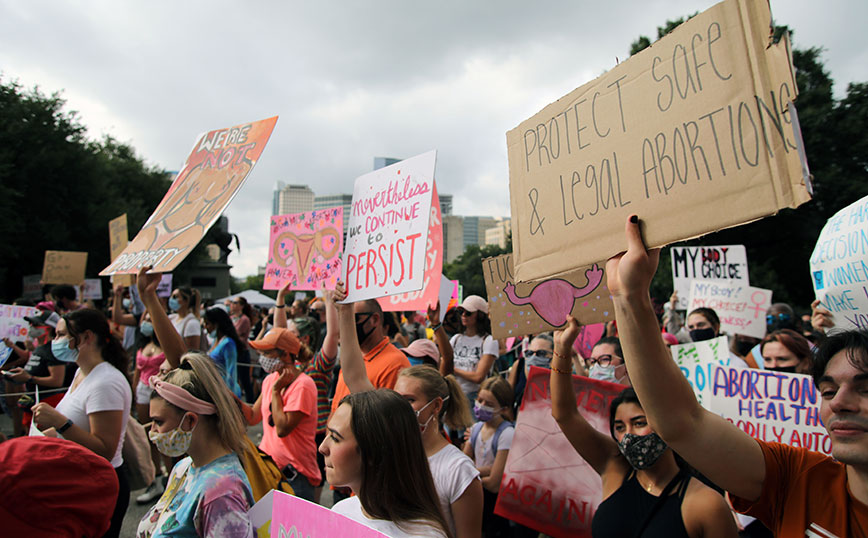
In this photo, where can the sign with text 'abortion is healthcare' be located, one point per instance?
(694, 134)
(387, 233)
(839, 266)
(726, 264)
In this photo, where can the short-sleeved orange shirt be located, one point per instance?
(382, 363)
(805, 494)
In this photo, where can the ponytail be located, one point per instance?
(455, 412)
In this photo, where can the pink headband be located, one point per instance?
(180, 397)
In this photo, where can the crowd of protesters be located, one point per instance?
(407, 419)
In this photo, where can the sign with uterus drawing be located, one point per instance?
(305, 250)
(519, 308)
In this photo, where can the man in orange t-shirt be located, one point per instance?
(793, 491)
(383, 361)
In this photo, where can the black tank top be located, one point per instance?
(624, 512)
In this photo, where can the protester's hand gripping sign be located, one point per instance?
(388, 229)
(727, 264)
(694, 134)
(839, 266)
(210, 179)
(305, 250)
(546, 484)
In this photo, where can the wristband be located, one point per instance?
(558, 370)
(65, 427)
(279, 306)
(434, 328)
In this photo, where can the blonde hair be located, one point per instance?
(456, 411)
(199, 376)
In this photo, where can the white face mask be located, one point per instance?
(603, 373)
(425, 426)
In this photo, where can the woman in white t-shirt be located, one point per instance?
(94, 412)
(474, 350)
(184, 302)
(374, 448)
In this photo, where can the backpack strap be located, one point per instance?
(503, 425)
(474, 434)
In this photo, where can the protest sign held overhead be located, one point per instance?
(724, 263)
(12, 323)
(420, 299)
(64, 267)
(839, 266)
(741, 309)
(519, 308)
(693, 134)
(118, 240)
(305, 250)
(388, 229)
(696, 360)
(31, 287)
(546, 484)
(215, 169)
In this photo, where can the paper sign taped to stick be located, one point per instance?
(519, 308)
(64, 267)
(305, 250)
(419, 300)
(839, 266)
(12, 323)
(546, 485)
(741, 309)
(388, 229)
(720, 263)
(281, 515)
(216, 168)
(693, 134)
(31, 287)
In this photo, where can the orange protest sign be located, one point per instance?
(210, 179)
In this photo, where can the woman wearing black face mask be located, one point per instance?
(703, 325)
(786, 351)
(645, 490)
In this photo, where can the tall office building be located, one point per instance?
(275, 198)
(335, 200)
(445, 204)
(499, 233)
(382, 162)
(294, 199)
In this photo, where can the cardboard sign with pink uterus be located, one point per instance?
(519, 308)
(305, 250)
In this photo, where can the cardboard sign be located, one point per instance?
(305, 250)
(282, 515)
(12, 324)
(517, 308)
(839, 266)
(696, 360)
(216, 168)
(118, 239)
(388, 229)
(420, 299)
(727, 264)
(546, 484)
(771, 406)
(741, 309)
(31, 287)
(64, 267)
(693, 134)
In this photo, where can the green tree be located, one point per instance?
(58, 189)
(779, 247)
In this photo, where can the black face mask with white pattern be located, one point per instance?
(642, 451)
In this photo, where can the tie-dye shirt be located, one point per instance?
(212, 500)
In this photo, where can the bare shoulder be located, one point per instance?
(705, 512)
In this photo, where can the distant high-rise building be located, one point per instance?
(474, 229)
(275, 199)
(499, 233)
(445, 204)
(294, 199)
(335, 200)
(382, 162)
(453, 237)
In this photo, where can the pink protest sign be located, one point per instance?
(420, 299)
(546, 484)
(279, 514)
(305, 250)
(588, 336)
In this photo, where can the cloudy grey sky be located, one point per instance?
(351, 80)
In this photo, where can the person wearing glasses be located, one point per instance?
(473, 349)
(606, 362)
